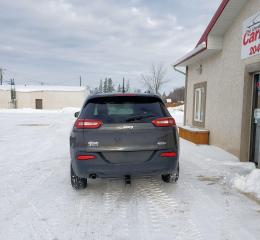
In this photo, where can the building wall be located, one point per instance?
(50, 99)
(229, 89)
(5, 97)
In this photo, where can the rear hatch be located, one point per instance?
(128, 128)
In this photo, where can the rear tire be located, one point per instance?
(172, 177)
(77, 182)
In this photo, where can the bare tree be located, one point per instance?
(177, 94)
(155, 79)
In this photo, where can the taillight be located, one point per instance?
(87, 123)
(164, 122)
(169, 154)
(85, 157)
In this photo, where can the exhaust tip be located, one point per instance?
(93, 176)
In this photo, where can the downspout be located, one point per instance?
(185, 96)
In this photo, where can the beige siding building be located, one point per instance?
(222, 79)
(42, 97)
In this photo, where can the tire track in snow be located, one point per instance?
(160, 207)
(116, 204)
(95, 219)
(87, 211)
(40, 225)
(85, 207)
(185, 226)
(112, 193)
(225, 232)
(124, 202)
(139, 227)
(169, 217)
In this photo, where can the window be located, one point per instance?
(38, 103)
(199, 104)
(121, 109)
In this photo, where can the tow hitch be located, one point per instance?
(127, 179)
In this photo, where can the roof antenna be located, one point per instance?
(123, 89)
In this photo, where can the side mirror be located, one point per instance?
(76, 114)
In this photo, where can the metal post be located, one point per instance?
(123, 90)
(258, 142)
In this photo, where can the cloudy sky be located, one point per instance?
(56, 41)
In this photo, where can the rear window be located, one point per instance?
(124, 109)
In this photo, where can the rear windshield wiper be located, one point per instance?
(139, 117)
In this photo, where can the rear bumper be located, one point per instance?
(157, 165)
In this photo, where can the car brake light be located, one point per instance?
(85, 157)
(164, 122)
(87, 123)
(169, 154)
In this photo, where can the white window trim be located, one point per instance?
(198, 114)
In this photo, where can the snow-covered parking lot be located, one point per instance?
(37, 201)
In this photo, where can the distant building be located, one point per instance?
(223, 80)
(41, 97)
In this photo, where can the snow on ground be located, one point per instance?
(37, 201)
(242, 176)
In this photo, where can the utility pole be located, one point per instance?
(13, 94)
(1, 76)
(80, 81)
(123, 89)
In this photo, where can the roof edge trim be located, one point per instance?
(200, 48)
(221, 8)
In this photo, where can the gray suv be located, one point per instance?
(123, 135)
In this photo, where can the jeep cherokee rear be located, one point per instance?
(119, 135)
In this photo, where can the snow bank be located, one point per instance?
(242, 176)
(249, 184)
(177, 113)
(180, 108)
(31, 110)
(69, 110)
(37, 88)
(194, 129)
